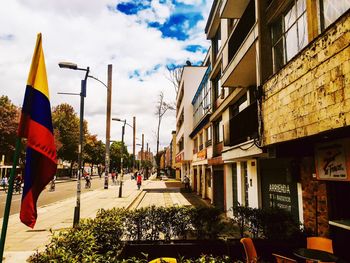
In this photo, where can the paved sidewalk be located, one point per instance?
(22, 241)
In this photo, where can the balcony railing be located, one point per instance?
(217, 149)
(208, 143)
(243, 126)
(242, 29)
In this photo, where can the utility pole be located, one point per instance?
(142, 149)
(134, 144)
(121, 163)
(108, 123)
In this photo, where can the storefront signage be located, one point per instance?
(279, 195)
(332, 161)
(179, 157)
(201, 155)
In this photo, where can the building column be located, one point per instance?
(199, 183)
(240, 187)
(204, 180)
(229, 190)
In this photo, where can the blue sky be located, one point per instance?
(139, 38)
(178, 24)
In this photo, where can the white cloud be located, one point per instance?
(90, 34)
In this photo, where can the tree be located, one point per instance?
(161, 108)
(118, 150)
(174, 76)
(94, 150)
(9, 119)
(66, 121)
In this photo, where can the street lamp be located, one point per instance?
(81, 134)
(121, 160)
(82, 94)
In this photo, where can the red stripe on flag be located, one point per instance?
(28, 213)
(38, 173)
(40, 139)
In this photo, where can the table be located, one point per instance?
(315, 255)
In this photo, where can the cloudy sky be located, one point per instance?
(138, 37)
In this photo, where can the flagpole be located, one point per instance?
(9, 199)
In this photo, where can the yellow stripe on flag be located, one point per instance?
(37, 78)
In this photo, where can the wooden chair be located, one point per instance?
(249, 249)
(320, 243)
(283, 259)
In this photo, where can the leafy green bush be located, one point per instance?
(102, 239)
(273, 223)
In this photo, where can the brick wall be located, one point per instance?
(312, 189)
(311, 94)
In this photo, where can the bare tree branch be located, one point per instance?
(174, 76)
(161, 108)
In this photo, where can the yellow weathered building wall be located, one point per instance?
(311, 94)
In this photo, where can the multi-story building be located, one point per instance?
(190, 79)
(280, 74)
(202, 182)
(306, 112)
(233, 30)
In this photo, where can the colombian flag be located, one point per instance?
(36, 126)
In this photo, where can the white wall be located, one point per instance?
(253, 184)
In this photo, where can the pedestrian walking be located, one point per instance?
(113, 178)
(139, 181)
(187, 183)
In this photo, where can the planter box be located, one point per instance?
(195, 248)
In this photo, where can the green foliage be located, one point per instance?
(273, 223)
(118, 150)
(102, 239)
(9, 114)
(94, 150)
(66, 121)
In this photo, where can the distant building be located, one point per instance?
(190, 80)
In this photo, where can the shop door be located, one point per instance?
(218, 181)
(195, 179)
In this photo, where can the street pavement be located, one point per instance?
(22, 241)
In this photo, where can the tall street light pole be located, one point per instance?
(82, 94)
(133, 144)
(81, 135)
(121, 160)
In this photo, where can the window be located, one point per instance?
(200, 139)
(181, 144)
(238, 106)
(208, 134)
(219, 131)
(217, 42)
(202, 100)
(195, 145)
(289, 34)
(217, 85)
(330, 10)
